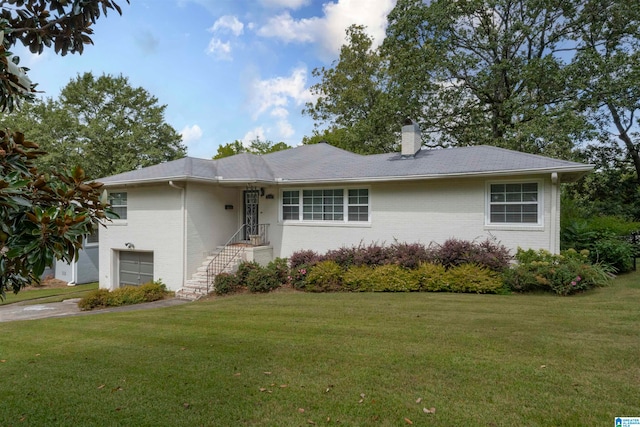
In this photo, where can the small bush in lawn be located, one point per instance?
(226, 283)
(564, 274)
(262, 280)
(431, 277)
(474, 279)
(126, 295)
(244, 269)
(326, 276)
(298, 276)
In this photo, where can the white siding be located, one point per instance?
(154, 223)
(209, 224)
(425, 212)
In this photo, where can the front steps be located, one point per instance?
(196, 287)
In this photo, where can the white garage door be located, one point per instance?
(136, 268)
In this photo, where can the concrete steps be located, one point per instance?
(196, 287)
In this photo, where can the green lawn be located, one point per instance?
(294, 359)
(44, 295)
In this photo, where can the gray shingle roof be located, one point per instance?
(323, 162)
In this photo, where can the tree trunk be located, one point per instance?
(624, 137)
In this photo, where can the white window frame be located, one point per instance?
(539, 202)
(345, 204)
(88, 243)
(125, 206)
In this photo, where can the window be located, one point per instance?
(327, 205)
(118, 203)
(359, 205)
(93, 238)
(514, 203)
(322, 205)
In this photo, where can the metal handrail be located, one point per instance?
(229, 253)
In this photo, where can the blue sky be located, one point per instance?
(226, 69)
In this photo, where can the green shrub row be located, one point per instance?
(328, 276)
(102, 298)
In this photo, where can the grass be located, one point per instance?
(45, 295)
(293, 359)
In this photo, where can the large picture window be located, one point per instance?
(514, 203)
(326, 205)
(118, 202)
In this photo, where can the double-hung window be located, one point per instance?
(118, 202)
(335, 205)
(514, 203)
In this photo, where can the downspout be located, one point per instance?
(184, 229)
(554, 243)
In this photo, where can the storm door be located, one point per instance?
(250, 212)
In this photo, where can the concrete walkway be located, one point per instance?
(23, 311)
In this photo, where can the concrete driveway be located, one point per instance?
(23, 311)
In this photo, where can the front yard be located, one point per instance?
(352, 359)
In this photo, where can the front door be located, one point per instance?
(251, 198)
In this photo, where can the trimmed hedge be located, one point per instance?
(127, 295)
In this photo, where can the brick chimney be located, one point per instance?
(411, 140)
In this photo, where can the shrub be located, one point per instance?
(126, 295)
(431, 277)
(454, 252)
(474, 279)
(325, 276)
(393, 278)
(298, 276)
(244, 269)
(344, 256)
(262, 280)
(408, 255)
(308, 258)
(280, 268)
(374, 254)
(96, 299)
(226, 283)
(564, 274)
(359, 278)
(615, 251)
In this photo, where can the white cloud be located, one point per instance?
(228, 24)
(289, 4)
(219, 49)
(257, 133)
(278, 92)
(329, 30)
(191, 134)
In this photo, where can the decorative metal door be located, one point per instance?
(251, 198)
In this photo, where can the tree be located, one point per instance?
(42, 217)
(607, 75)
(102, 124)
(256, 146)
(352, 98)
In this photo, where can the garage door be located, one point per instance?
(136, 268)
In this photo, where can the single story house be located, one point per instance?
(176, 217)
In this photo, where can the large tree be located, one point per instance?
(256, 146)
(353, 101)
(102, 124)
(42, 216)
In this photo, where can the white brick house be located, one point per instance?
(176, 214)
